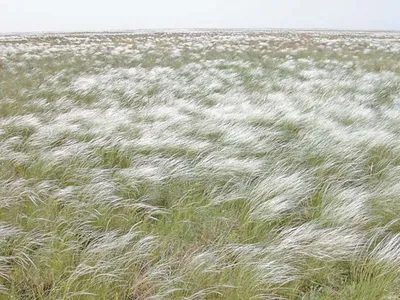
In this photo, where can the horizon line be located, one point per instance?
(188, 29)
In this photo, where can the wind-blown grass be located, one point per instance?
(200, 165)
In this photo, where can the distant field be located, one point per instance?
(200, 165)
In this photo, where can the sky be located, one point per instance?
(99, 15)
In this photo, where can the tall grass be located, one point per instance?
(200, 165)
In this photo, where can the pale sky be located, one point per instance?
(97, 15)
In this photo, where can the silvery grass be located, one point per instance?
(200, 165)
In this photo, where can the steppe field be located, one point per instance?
(190, 165)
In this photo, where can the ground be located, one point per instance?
(200, 165)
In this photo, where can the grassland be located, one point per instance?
(200, 165)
